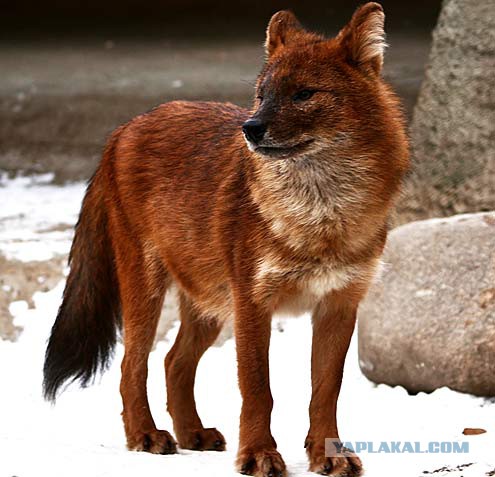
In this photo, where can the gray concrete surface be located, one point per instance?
(59, 99)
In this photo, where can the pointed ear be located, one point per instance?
(363, 38)
(283, 29)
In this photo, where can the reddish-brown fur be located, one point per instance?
(297, 224)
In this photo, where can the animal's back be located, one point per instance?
(181, 140)
(179, 153)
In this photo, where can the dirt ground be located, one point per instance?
(19, 281)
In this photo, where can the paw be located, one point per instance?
(201, 440)
(264, 463)
(155, 442)
(348, 466)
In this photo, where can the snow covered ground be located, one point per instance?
(32, 216)
(83, 435)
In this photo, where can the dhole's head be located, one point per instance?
(314, 92)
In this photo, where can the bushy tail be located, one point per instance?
(85, 331)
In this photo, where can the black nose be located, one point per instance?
(254, 130)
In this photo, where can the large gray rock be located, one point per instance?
(453, 128)
(429, 321)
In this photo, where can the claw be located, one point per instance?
(169, 448)
(146, 443)
(247, 468)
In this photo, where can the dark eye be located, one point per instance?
(259, 98)
(303, 95)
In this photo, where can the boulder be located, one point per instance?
(453, 127)
(429, 320)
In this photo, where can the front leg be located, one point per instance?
(257, 454)
(333, 325)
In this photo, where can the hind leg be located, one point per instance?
(143, 283)
(196, 335)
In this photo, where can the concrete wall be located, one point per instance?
(72, 71)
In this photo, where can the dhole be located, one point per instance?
(249, 213)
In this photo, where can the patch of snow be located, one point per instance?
(31, 209)
(18, 307)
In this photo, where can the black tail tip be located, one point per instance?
(62, 368)
(53, 380)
